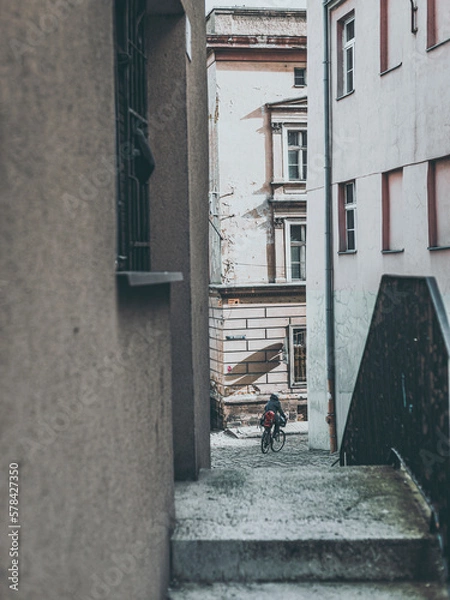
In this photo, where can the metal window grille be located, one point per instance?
(299, 355)
(132, 146)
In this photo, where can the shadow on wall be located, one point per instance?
(254, 366)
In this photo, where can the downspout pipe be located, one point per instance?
(329, 300)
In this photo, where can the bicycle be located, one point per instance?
(269, 439)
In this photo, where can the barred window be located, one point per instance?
(134, 158)
(297, 352)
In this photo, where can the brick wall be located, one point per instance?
(249, 356)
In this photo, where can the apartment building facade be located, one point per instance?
(258, 157)
(380, 152)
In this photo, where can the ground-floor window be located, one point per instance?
(297, 355)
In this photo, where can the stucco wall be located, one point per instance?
(178, 121)
(390, 121)
(86, 362)
(244, 149)
(254, 22)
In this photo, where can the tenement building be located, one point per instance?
(257, 82)
(381, 121)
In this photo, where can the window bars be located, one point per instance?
(134, 158)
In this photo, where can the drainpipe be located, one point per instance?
(329, 302)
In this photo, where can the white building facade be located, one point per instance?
(389, 125)
(258, 155)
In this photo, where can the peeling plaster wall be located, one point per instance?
(244, 138)
(271, 23)
(399, 119)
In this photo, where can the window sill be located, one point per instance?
(438, 45)
(146, 278)
(393, 251)
(289, 182)
(390, 69)
(438, 248)
(345, 95)
(341, 252)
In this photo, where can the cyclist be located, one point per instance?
(274, 405)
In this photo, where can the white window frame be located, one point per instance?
(292, 382)
(348, 208)
(300, 72)
(303, 152)
(348, 49)
(288, 243)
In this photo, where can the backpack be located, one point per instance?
(269, 418)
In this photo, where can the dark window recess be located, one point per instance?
(299, 77)
(135, 161)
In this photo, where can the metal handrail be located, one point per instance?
(400, 401)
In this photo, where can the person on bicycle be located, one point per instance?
(274, 405)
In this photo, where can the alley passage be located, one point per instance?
(300, 529)
(243, 452)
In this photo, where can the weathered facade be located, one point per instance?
(91, 340)
(258, 153)
(390, 173)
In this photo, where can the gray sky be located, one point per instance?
(256, 3)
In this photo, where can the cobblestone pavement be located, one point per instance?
(245, 453)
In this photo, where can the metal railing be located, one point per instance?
(400, 404)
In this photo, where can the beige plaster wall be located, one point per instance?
(179, 186)
(86, 362)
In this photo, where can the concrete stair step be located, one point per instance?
(310, 591)
(302, 524)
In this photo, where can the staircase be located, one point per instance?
(304, 533)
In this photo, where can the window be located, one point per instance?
(393, 19)
(299, 77)
(438, 22)
(347, 217)
(392, 209)
(135, 160)
(348, 58)
(296, 251)
(297, 355)
(439, 203)
(296, 141)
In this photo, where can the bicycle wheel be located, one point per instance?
(277, 441)
(265, 442)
